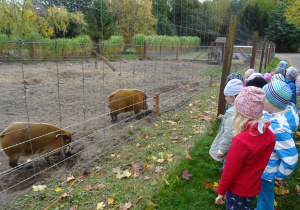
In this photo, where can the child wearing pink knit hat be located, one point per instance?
(249, 152)
(268, 76)
(248, 73)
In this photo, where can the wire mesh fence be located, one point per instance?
(66, 91)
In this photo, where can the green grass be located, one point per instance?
(192, 194)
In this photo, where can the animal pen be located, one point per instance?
(65, 82)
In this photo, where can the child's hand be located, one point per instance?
(219, 199)
(220, 155)
(220, 116)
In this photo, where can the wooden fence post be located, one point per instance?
(33, 48)
(262, 54)
(267, 52)
(270, 46)
(177, 51)
(227, 60)
(100, 47)
(157, 103)
(211, 80)
(145, 49)
(235, 69)
(255, 37)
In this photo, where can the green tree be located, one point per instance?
(133, 17)
(292, 13)
(161, 9)
(280, 31)
(100, 21)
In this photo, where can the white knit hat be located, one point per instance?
(233, 87)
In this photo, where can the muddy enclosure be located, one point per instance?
(72, 95)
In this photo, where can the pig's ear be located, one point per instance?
(64, 136)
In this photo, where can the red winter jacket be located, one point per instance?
(247, 158)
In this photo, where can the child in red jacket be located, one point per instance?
(249, 152)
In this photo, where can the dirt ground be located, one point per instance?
(72, 95)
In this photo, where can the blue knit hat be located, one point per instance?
(233, 87)
(278, 93)
(282, 64)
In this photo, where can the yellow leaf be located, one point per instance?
(167, 183)
(218, 84)
(190, 104)
(62, 205)
(216, 184)
(275, 203)
(156, 124)
(36, 188)
(100, 206)
(110, 201)
(58, 189)
(298, 133)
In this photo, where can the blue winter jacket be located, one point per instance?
(292, 85)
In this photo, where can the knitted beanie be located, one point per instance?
(267, 76)
(234, 76)
(291, 72)
(280, 70)
(255, 75)
(257, 82)
(233, 87)
(278, 77)
(250, 102)
(249, 72)
(282, 64)
(278, 93)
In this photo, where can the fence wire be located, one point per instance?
(50, 80)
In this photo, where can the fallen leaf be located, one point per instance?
(275, 203)
(187, 156)
(58, 189)
(160, 160)
(208, 184)
(116, 170)
(210, 132)
(138, 200)
(125, 206)
(102, 174)
(137, 167)
(99, 186)
(297, 189)
(159, 176)
(75, 207)
(137, 145)
(36, 188)
(86, 173)
(216, 184)
(154, 182)
(147, 177)
(119, 156)
(159, 169)
(87, 188)
(112, 155)
(185, 139)
(62, 205)
(100, 206)
(65, 195)
(156, 124)
(150, 205)
(166, 181)
(110, 201)
(298, 133)
(174, 137)
(281, 191)
(185, 174)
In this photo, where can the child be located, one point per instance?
(249, 152)
(291, 74)
(282, 64)
(257, 82)
(284, 121)
(248, 73)
(221, 144)
(267, 77)
(280, 70)
(278, 77)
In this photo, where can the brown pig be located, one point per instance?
(17, 141)
(126, 100)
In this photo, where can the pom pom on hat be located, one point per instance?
(282, 64)
(267, 76)
(278, 93)
(234, 76)
(277, 77)
(250, 102)
(291, 72)
(233, 87)
(249, 72)
(257, 82)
